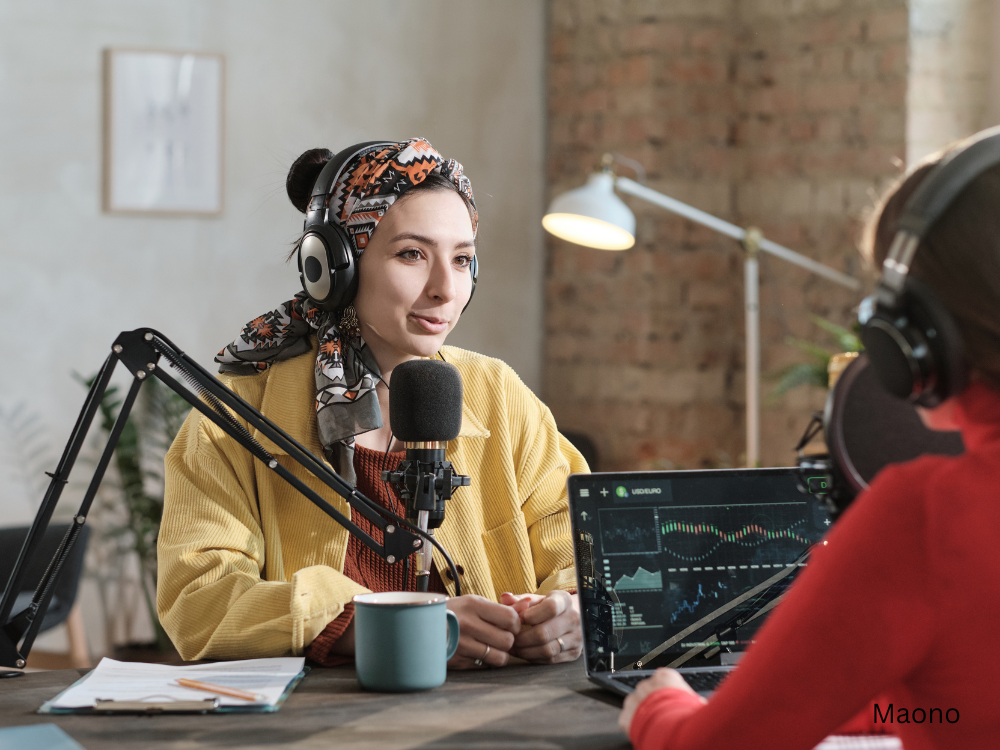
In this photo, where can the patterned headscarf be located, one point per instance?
(375, 179)
(346, 372)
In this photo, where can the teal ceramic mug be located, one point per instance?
(403, 640)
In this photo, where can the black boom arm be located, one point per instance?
(142, 352)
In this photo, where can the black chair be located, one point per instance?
(586, 447)
(66, 585)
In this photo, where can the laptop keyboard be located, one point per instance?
(700, 682)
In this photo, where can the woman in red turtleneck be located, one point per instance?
(901, 604)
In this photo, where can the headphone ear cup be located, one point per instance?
(943, 339)
(327, 267)
(889, 350)
(314, 266)
(916, 350)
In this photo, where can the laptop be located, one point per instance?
(680, 568)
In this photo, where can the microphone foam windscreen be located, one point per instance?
(425, 401)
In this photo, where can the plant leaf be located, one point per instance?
(799, 375)
(847, 339)
(150, 429)
(816, 352)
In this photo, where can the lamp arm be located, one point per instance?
(809, 264)
(625, 185)
(140, 351)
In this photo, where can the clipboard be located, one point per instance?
(149, 706)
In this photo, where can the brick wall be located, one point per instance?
(785, 114)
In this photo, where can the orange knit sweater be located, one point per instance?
(361, 564)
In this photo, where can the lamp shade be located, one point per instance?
(592, 216)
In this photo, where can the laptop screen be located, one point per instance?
(680, 568)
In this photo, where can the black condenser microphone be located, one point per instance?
(425, 412)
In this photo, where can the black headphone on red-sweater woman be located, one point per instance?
(913, 352)
(326, 258)
(910, 337)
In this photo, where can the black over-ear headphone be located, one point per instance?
(327, 266)
(326, 260)
(910, 337)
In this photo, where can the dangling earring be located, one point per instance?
(349, 324)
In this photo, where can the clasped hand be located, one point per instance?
(541, 629)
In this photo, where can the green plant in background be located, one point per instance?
(27, 452)
(147, 435)
(814, 372)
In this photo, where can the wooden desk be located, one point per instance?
(520, 707)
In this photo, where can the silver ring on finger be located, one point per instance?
(562, 646)
(479, 662)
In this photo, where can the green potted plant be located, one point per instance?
(817, 370)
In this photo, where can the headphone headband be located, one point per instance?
(330, 173)
(947, 180)
(935, 194)
(911, 338)
(326, 255)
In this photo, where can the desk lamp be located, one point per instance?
(593, 216)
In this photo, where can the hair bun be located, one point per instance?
(302, 176)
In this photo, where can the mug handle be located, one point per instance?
(452, 634)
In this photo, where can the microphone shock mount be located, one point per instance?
(425, 481)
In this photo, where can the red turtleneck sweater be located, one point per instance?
(900, 607)
(361, 564)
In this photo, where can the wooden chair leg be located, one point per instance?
(77, 636)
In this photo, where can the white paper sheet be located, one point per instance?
(860, 742)
(131, 681)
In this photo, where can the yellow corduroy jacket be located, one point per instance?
(236, 583)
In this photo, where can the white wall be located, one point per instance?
(299, 74)
(468, 76)
(954, 85)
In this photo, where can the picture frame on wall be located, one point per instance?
(163, 132)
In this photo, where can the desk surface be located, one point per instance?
(522, 707)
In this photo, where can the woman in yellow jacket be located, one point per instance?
(248, 567)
